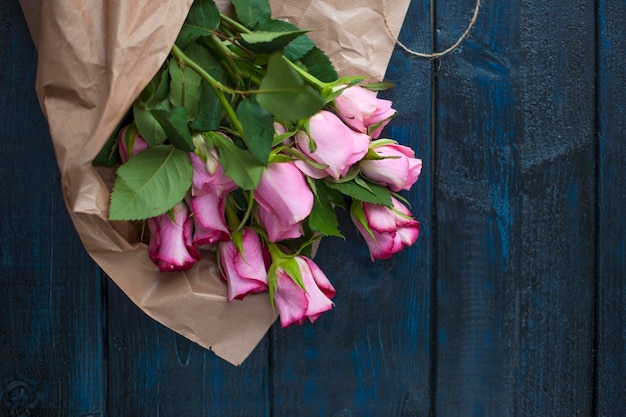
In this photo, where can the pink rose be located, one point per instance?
(136, 145)
(335, 144)
(209, 191)
(170, 245)
(245, 272)
(399, 172)
(359, 108)
(392, 229)
(285, 197)
(209, 218)
(276, 229)
(295, 304)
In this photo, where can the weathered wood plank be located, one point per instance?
(611, 352)
(515, 198)
(153, 371)
(50, 331)
(370, 355)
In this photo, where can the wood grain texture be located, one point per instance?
(518, 273)
(155, 372)
(611, 388)
(515, 210)
(50, 291)
(370, 355)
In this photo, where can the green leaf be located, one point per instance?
(258, 129)
(185, 86)
(176, 83)
(292, 268)
(284, 93)
(161, 86)
(297, 48)
(318, 65)
(357, 213)
(210, 110)
(331, 195)
(251, 12)
(370, 193)
(379, 86)
(203, 18)
(237, 238)
(157, 89)
(150, 183)
(109, 155)
(174, 124)
(153, 97)
(323, 219)
(268, 42)
(149, 127)
(239, 164)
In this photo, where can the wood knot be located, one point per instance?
(19, 398)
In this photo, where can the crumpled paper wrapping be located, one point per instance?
(95, 57)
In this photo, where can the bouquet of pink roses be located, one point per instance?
(246, 142)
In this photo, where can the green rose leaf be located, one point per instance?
(297, 48)
(292, 268)
(269, 42)
(284, 94)
(185, 87)
(149, 127)
(174, 124)
(258, 129)
(161, 86)
(109, 155)
(251, 12)
(150, 183)
(210, 110)
(323, 217)
(357, 213)
(239, 164)
(362, 190)
(153, 97)
(203, 17)
(318, 65)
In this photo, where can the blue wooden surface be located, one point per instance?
(515, 204)
(611, 154)
(51, 326)
(511, 304)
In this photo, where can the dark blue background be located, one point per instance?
(512, 303)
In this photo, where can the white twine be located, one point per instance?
(434, 54)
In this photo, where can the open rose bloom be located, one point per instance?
(86, 88)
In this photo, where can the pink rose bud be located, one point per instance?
(392, 231)
(245, 272)
(170, 245)
(136, 145)
(335, 144)
(359, 108)
(209, 191)
(399, 172)
(295, 304)
(284, 194)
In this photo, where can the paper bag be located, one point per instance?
(95, 57)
